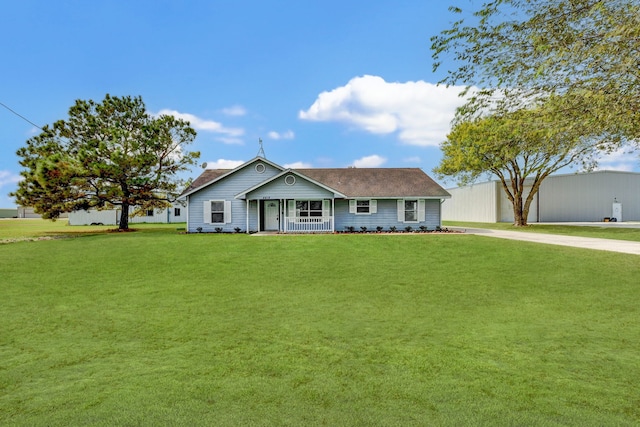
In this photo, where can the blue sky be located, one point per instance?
(323, 83)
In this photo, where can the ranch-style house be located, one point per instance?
(261, 196)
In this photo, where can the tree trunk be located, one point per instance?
(124, 217)
(519, 217)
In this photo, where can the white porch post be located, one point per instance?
(248, 202)
(286, 217)
(333, 214)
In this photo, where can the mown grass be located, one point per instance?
(601, 232)
(160, 328)
(24, 229)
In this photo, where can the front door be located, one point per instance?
(271, 215)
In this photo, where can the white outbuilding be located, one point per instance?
(580, 197)
(175, 213)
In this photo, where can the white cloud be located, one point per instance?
(284, 135)
(419, 112)
(230, 135)
(230, 141)
(224, 164)
(414, 159)
(298, 165)
(235, 110)
(8, 178)
(373, 161)
(619, 160)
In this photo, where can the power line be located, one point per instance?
(21, 116)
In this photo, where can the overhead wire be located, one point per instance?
(21, 116)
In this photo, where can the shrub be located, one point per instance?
(199, 229)
(363, 229)
(379, 229)
(218, 229)
(424, 228)
(393, 228)
(237, 229)
(408, 229)
(350, 228)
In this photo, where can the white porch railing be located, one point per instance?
(314, 224)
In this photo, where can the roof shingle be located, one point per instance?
(377, 182)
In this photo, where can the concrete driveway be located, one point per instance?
(622, 246)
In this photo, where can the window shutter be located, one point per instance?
(227, 211)
(352, 206)
(421, 210)
(292, 209)
(401, 210)
(207, 212)
(373, 206)
(326, 208)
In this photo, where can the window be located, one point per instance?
(149, 212)
(176, 211)
(410, 210)
(217, 212)
(289, 179)
(260, 168)
(306, 208)
(363, 207)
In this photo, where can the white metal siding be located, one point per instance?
(477, 203)
(589, 196)
(580, 197)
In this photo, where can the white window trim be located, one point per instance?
(421, 214)
(226, 215)
(293, 213)
(353, 206)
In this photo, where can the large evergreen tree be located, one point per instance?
(106, 155)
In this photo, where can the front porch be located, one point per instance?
(294, 216)
(308, 225)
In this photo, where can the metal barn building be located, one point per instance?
(582, 197)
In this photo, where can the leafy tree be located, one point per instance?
(521, 50)
(105, 155)
(519, 147)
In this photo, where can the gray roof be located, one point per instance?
(206, 177)
(377, 182)
(357, 182)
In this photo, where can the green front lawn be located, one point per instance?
(161, 328)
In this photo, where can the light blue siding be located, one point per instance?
(386, 216)
(226, 189)
(300, 190)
